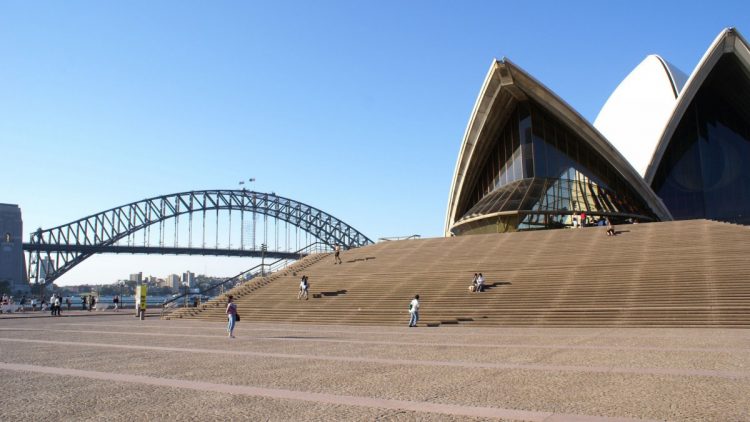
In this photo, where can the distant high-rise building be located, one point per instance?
(137, 277)
(189, 278)
(173, 281)
(45, 267)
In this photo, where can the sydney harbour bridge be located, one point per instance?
(207, 222)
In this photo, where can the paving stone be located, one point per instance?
(649, 374)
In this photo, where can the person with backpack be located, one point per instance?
(232, 316)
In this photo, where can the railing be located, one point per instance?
(388, 239)
(247, 275)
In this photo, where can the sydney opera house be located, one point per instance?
(665, 146)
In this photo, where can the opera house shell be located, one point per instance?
(664, 146)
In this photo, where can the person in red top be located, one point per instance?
(231, 316)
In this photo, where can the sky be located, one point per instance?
(356, 108)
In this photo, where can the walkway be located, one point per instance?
(118, 368)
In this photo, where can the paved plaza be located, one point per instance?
(115, 367)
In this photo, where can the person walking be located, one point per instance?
(414, 311)
(303, 286)
(336, 255)
(92, 302)
(232, 316)
(52, 306)
(116, 301)
(68, 302)
(58, 305)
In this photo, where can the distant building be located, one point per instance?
(45, 267)
(172, 281)
(137, 277)
(189, 278)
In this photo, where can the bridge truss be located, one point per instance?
(145, 227)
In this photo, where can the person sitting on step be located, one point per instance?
(480, 283)
(473, 287)
(610, 228)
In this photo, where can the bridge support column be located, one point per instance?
(12, 262)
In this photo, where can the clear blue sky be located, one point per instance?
(357, 108)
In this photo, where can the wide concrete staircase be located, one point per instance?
(686, 273)
(216, 307)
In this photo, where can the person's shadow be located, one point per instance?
(495, 284)
(335, 293)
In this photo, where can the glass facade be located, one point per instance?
(538, 174)
(704, 172)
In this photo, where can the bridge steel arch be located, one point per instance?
(53, 252)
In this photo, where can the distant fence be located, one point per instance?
(388, 239)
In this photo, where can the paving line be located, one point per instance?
(499, 331)
(411, 362)
(326, 329)
(336, 399)
(405, 343)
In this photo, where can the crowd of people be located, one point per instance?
(54, 304)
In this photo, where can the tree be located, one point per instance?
(5, 287)
(162, 291)
(109, 290)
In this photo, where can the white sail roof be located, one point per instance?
(634, 116)
(729, 41)
(506, 83)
